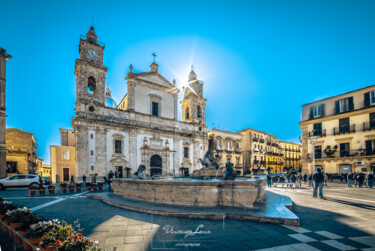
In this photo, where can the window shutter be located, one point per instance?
(311, 113)
(322, 110)
(367, 99)
(351, 104)
(368, 147)
(337, 107)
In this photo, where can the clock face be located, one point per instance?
(92, 53)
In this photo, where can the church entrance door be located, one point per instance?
(119, 171)
(156, 165)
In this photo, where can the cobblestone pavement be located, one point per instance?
(344, 221)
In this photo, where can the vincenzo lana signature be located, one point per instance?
(199, 230)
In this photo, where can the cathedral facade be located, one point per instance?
(143, 128)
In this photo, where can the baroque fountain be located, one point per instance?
(229, 191)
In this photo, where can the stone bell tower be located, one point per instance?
(193, 104)
(90, 73)
(3, 149)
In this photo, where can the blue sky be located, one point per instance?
(260, 60)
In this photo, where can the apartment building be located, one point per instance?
(342, 130)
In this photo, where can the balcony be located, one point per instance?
(256, 149)
(238, 150)
(256, 162)
(255, 139)
(229, 149)
(340, 154)
(219, 148)
(262, 162)
(315, 133)
(262, 150)
(279, 163)
(268, 143)
(368, 126)
(261, 140)
(343, 129)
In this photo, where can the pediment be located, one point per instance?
(156, 79)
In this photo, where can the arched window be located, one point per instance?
(91, 85)
(199, 111)
(187, 115)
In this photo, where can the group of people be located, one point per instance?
(360, 179)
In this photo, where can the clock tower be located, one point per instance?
(90, 73)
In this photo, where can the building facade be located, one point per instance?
(228, 146)
(3, 149)
(342, 129)
(143, 129)
(45, 171)
(261, 152)
(63, 158)
(292, 155)
(21, 152)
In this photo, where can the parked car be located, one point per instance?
(46, 181)
(19, 180)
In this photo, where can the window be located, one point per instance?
(372, 120)
(155, 109)
(186, 152)
(187, 115)
(118, 146)
(372, 98)
(199, 111)
(317, 111)
(92, 168)
(344, 125)
(344, 150)
(344, 105)
(91, 85)
(92, 153)
(65, 154)
(370, 147)
(318, 152)
(92, 136)
(318, 129)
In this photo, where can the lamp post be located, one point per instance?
(313, 140)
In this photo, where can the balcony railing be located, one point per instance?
(321, 133)
(262, 162)
(343, 129)
(219, 148)
(238, 150)
(261, 140)
(256, 162)
(268, 143)
(256, 149)
(340, 154)
(367, 126)
(255, 139)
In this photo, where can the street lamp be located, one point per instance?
(313, 140)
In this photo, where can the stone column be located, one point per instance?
(82, 166)
(101, 151)
(133, 150)
(3, 149)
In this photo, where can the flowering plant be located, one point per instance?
(5, 206)
(76, 242)
(16, 215)
(39, 229)
(59, 232)
(27, 220)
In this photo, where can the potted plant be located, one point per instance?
(59, 233)
(14, 217)
(4, 207)
(51, 189)
(78, 187)
(71, 188)
(100, 186)
(77, 242)
(37, 231)
(94, 187)
(25, 223)
(88, 186)
(32, 190)
(42, 190)
(63, 187)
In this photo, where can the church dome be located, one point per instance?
(109, 101)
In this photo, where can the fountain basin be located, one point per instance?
(193, 192)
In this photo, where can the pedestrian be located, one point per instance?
(269, 180)
(325, 177)
(361, 178)
(318, 183)
(72, 180)
(349, 178)
(84, 180)
(293, 179)
(355, 177)
(305, 178)
(93, 178)
(311, 180)
(299, 178)
(110, 177)
(370, 179)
